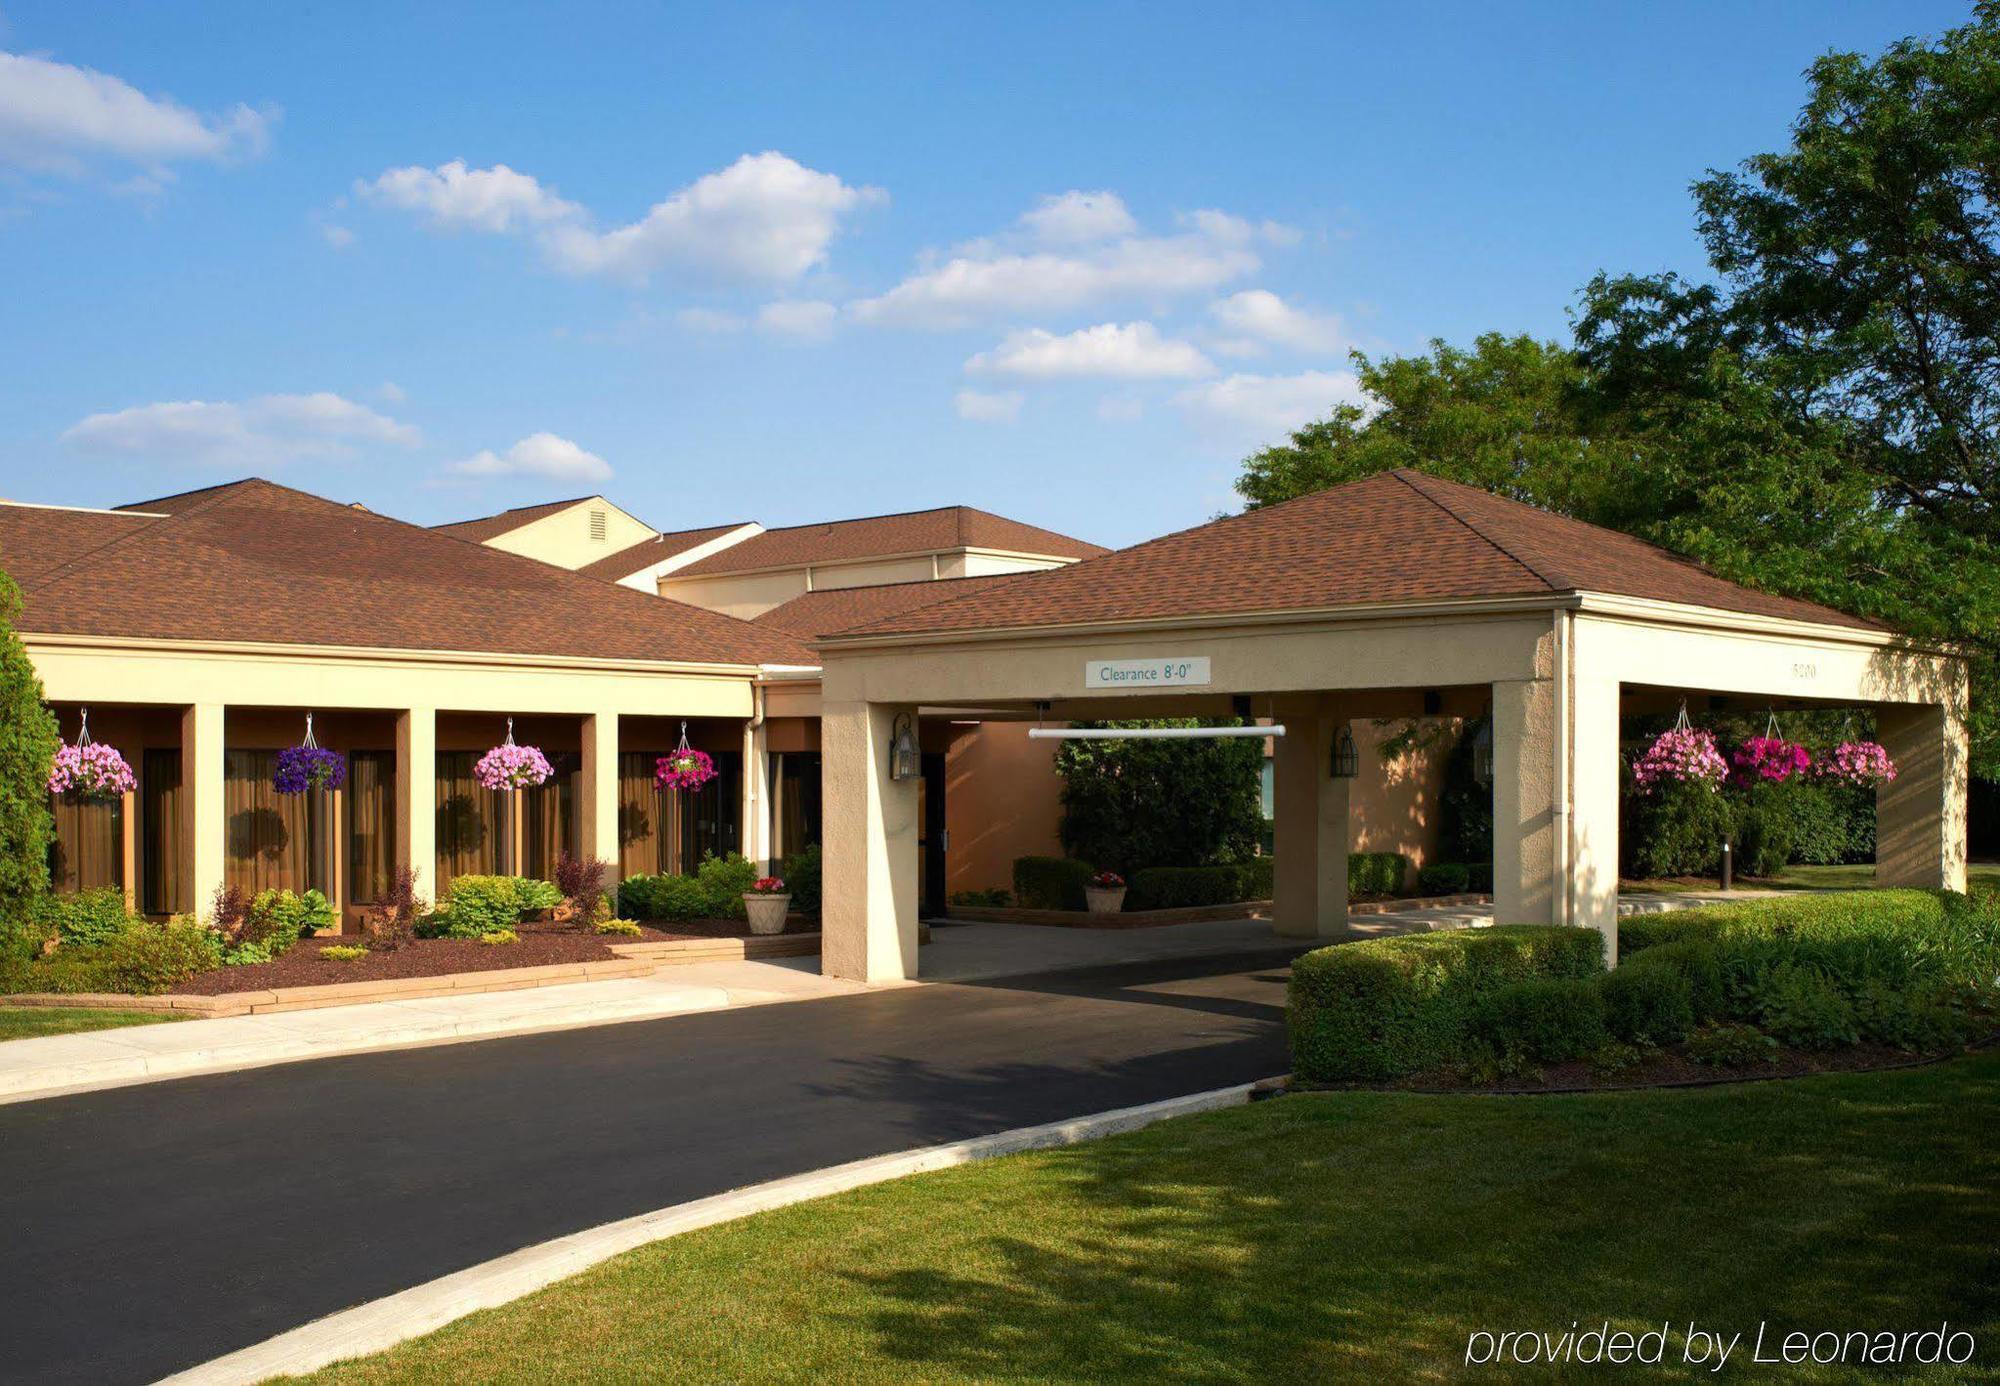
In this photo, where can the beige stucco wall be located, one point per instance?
(564, 538)
(1003, 799)
(984, 563)
(746, 595)
(1393, 804)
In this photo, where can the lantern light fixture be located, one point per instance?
(1346, 758)
(905, 760)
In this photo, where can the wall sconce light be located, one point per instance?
(905, 760)
(1346, 759)
(1482, 754)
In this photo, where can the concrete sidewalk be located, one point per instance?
(58, 1064)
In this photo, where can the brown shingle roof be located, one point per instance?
(1397, 536)
(486, 526)
(916, 531)
(263, 563)
(830, 610)
(34, 540)
(647, 552)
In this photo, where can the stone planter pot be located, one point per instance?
(1110, 901)
(767, 912)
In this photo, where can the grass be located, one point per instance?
(1353, 1236)
(30, 1022)
(1861, 876)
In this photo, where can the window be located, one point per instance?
(371, 825)
(598, 521)
(671, 830)
(795, 801)
(271, 841)
(88, 851)
(162, 886)
(471, 821)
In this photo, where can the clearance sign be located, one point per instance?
(1172, 672)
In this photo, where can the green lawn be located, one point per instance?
(1342, 1236)
(1980, 874)
(27, 1022)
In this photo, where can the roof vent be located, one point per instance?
(597, 523)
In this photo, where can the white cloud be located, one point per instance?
(392, 392)
(982, 407)
(1007, 277)
(1079, 218)
(1121, 409)
(269, 430)
(55, 118)
(1262, 317)
(765, 218)
(802, 318)
(339, 237)
(539, 455)
(1125, 351)
(454, 197)
(1251, 410)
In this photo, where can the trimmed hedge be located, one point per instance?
(1547, 1020)
(715, 891)
(144, 960)
(1051, 883)
(1180, 887)
(1387, 1007)
(1647, 1005)
(662, 897)
(84, 916)
(1260, 877)
(1445, 878)
(1376, 873)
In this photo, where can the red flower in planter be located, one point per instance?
(1107, 880)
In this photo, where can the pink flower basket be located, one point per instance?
(90, 770)
(684, 770)
(1683, 755)
(1771, 758)
(508, 766)
(1863, 763)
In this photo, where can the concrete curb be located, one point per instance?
(373, 1327)
(64, 1078)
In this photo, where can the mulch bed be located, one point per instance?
(539, 946)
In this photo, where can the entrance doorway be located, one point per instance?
(933, 838)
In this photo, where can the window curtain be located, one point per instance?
(471, 821)
(163, 883)
(88, 852)
(548, 816)
(797, 776)
(712, 816)
(371, 825)
(649, 820)
(272, 841)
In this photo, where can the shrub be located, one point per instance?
(1547, 1020)
(987, 899)
(624, 927)
(1647, 1005)
(277, 919)
(1177, 887)
(1677, 831)
(1376, 873)
(247, 954)
(580, 880)
(144, 960)
(723, 881)
(1802, 1007)
(342, 952)
(1695, 964)
(1051, 883)
(1260, 878)
(28, 743)
(802, 871)
(1465, 806)
(85, 917)
(391, 921)
(478, 905)
(1179, 803)
(1479, 875)
(1732, 1046)
(663, 897)
(1444, 878)
(499, 938)
(228, 912)
(1387, 1007)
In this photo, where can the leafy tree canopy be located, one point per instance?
(1133, 804)
(1823, 421)
(27, 747)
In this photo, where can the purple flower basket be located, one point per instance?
(301, 768)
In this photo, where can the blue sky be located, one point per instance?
(796, 263)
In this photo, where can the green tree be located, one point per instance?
(27, 748)
(1133, 804)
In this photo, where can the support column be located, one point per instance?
(1524, 837)
(204, 822)
(756, 799)
(597, 797)
(1309, 893)
(1920, 815)
(416, 796)
(1591, 874)
(868, 891)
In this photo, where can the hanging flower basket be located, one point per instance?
(301, 768)
(685, 770)
(508, 766)
(1684, 755)
(1863, 763)
(1771, 758)
(90, 770)
(308, 766)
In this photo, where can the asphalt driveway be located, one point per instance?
(151, 1228)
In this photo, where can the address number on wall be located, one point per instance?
(1173, 672)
